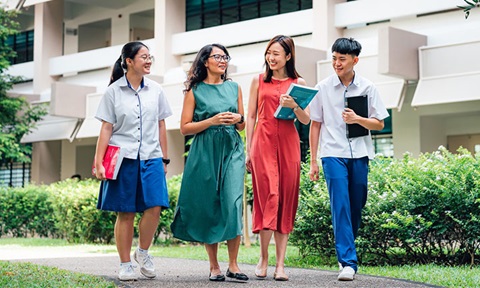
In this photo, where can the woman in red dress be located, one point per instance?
(273, 152)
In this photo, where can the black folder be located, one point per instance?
(359, 104)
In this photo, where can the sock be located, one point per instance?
(142, 250)
(125, 263)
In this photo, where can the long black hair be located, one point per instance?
(289, 47)
(129, 50)
(198, 72)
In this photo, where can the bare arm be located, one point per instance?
(188, 127)
(302, 115)
(350, 117)
(252, 116)
(313, 139)
(162, 129)
(105, 133)
(240, 126)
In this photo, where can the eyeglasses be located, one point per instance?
(147, 58)
(219, 57)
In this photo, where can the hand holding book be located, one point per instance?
(111, 162)
(302, 95)
(359, 106)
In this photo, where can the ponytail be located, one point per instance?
(117, 71)
(129, 50)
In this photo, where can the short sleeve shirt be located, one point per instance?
(135, 116)
(327, 107)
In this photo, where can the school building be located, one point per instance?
(422, 55)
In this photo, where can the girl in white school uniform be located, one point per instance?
(133, 111)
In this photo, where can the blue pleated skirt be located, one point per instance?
(140, 185)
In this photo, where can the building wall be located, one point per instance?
(46, 162)
(406, 127)
(415, 129)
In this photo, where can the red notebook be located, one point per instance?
(111, 161)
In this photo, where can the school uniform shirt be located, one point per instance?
(135, 116)
(326, 108)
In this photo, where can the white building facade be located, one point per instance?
(420, 54)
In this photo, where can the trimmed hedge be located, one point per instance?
(419, 210)
(27, 211)
(67, 209)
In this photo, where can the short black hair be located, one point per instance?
(347, 46)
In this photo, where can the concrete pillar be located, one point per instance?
(324, 30)
(406, 127)
(120, 29)
(169, 19)
(46, 162)
(48, 42)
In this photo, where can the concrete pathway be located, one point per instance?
(185, 273)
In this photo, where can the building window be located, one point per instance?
(383, 144)
(22, 44)
(208, 13)
(14, 174)
(382, 140)
(303, 134)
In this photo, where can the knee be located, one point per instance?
(153, 212)
(125, 217)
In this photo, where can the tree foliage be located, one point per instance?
(17, 117)
(470, 4)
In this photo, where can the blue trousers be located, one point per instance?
(347, 187)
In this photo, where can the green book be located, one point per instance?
(302, 95)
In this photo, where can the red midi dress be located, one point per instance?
(275, 159)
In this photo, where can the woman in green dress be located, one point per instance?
(209, 208)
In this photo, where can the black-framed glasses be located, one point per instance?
(219, 57)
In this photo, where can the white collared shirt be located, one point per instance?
(135, 116)
(327, 107)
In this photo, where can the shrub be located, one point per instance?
(313, 232)
(173, 185)
(419, 210)
(75, 210)
(26, 212)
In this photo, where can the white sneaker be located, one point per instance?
(146, 265)
(347, 274)
(127, 273)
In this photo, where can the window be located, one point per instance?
(22, 44)
(382, 140)
(14, 174)
(303, 134)
(383, 144)
(208, 13)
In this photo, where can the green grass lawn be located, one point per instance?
(20, 274)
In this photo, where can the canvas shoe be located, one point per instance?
(127, 273)
(146, 264)
(347, 274)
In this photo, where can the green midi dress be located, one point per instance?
(209, 208)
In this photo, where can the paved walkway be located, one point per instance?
(186, 273)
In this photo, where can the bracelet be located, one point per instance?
(296, 108)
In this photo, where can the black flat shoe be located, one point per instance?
(216, 278)
(238, 276)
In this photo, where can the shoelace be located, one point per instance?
(147, 261)
(131, 267)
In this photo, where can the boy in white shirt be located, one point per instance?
(344, 160)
